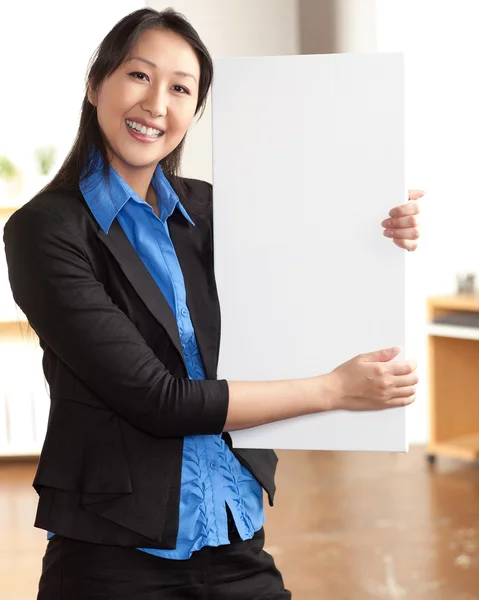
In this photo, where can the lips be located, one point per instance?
(143, 129)
(146, 123)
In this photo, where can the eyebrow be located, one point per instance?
(152, 64)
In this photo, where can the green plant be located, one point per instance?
(45, 158)
(7, 168)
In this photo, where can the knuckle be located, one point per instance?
(414, 221)
(406, 401)
(415, 233)
(382, 387)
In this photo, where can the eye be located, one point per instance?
(139, 75)
(180, 89)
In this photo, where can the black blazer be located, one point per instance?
(121, 401)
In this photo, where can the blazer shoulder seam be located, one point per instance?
(67, 226)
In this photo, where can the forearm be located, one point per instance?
(257, 403)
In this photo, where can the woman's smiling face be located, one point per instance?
(146, 106)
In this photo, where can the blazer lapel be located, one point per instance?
(196, 266)
(200, 287)
(139, 277)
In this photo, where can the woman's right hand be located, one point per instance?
(373, 382)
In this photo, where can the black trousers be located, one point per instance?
(75, 570)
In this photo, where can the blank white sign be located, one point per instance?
(308, 157)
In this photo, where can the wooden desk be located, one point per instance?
(453, 381)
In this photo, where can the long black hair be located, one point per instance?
(109, 55)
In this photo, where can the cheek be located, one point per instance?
(182, 118)
(113, 102)
(106, 110)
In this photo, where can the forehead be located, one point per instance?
(167, 50)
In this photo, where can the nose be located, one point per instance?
(156, 102)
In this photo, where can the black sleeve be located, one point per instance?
(54, 284)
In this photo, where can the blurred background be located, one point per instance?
(346, 526)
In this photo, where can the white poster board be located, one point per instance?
(308, 159)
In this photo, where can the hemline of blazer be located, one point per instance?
(121, 401)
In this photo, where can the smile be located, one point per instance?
(143, 130)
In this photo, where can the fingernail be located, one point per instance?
(389, 233)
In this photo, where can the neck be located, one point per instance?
(152, 200)
(139, 180)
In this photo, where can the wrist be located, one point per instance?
(332, 390)
(322, 393)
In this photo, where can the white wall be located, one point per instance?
(233, 28)
(355, 25)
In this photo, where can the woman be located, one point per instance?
(139, 487)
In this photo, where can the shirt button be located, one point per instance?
(213, 465)
(184, 312)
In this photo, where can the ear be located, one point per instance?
(92, 96)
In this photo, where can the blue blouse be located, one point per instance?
(211, 475)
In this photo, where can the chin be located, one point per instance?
(139, 160)
(156, 153)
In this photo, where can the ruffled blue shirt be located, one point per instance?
(211, 476)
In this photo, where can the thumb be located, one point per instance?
(382, 355)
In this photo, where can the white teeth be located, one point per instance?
(148, 131)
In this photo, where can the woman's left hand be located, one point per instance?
(402, 226)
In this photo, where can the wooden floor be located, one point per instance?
(347, 526)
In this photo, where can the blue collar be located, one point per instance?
(106, 200)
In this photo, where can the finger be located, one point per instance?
(410, 245)
(401, 222)
(415, 194)
(403, 392)
(401, 368)
(410, 233)
(403, 401)
(406, 380)
(411, 208)
(381, 355)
